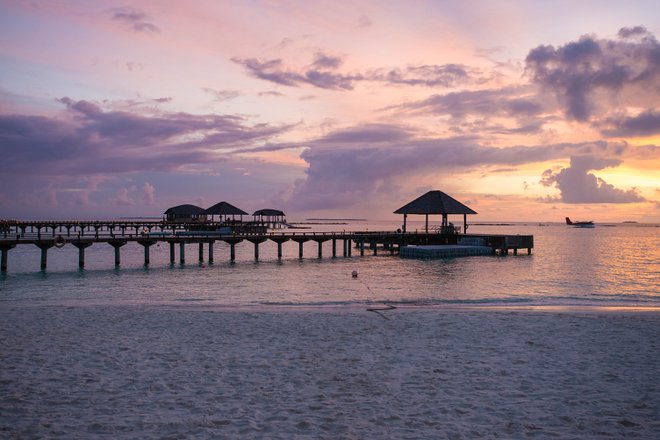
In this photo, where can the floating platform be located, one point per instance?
(444, 251)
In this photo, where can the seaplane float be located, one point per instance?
(582, 224)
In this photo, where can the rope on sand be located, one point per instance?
(377, 310)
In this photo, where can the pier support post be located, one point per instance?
(374, 247)
(201, 252)
(279, 240)
(4, 249)
(146, 244)
(117, 244)
(182, 252)
(362, 248)
(256, 241)
(81, 252)
(334, 248)
(172, 253)
(345, 252)
(349, 247)
(211, 251)
(300, 249)
(232, 251)
(320, 243)
(44, 253)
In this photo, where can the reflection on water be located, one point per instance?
(603, 266)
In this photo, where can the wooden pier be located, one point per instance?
(83, 234)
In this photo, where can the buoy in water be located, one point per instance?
(354, 274)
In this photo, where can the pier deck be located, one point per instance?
(46, 235)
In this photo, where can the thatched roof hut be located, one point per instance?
(269, 217)
(185, 213)
(224, 209)
(435, 202)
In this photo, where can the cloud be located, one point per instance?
(222, 95)
(148, 194)
(322, 73)
(133, 19)
(589, 74)
(646, 123)
(509, 101)
(577, 185)
(363, 163)
(447, 75)
(87, 139)
(317, 75)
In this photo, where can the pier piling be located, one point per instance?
(117, 244)
(81, 252)
(44, 253)
(4, 250)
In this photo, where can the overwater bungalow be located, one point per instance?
(225, 211)
(271, 218)
(436, 203)
(185, 214)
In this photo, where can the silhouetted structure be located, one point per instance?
(225, 210)
(269, 217)
(185, 214)
(436, 202)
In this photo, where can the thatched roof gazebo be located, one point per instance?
(224, 209)
(185, 213)
(269, 216)
(435, 202)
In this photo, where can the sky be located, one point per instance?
(523, 110)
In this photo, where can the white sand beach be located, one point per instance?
(192, 372)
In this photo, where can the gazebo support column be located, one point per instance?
(464, 223)
(182, 252)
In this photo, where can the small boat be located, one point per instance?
(582, 224)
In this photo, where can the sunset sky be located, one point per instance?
(523, 110)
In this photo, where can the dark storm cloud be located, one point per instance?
(133, 19)
(583, 72)
(91, 140)
(577, 185)
(645, 124)
(322, 73)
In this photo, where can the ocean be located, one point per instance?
(609, 265)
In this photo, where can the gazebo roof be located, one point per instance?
(185, 210)
(434, 202)
(268, 212)
(224, 208)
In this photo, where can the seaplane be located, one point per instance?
(583, 224)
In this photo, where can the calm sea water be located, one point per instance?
(608, 265)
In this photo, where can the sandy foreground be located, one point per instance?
(192, 372)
